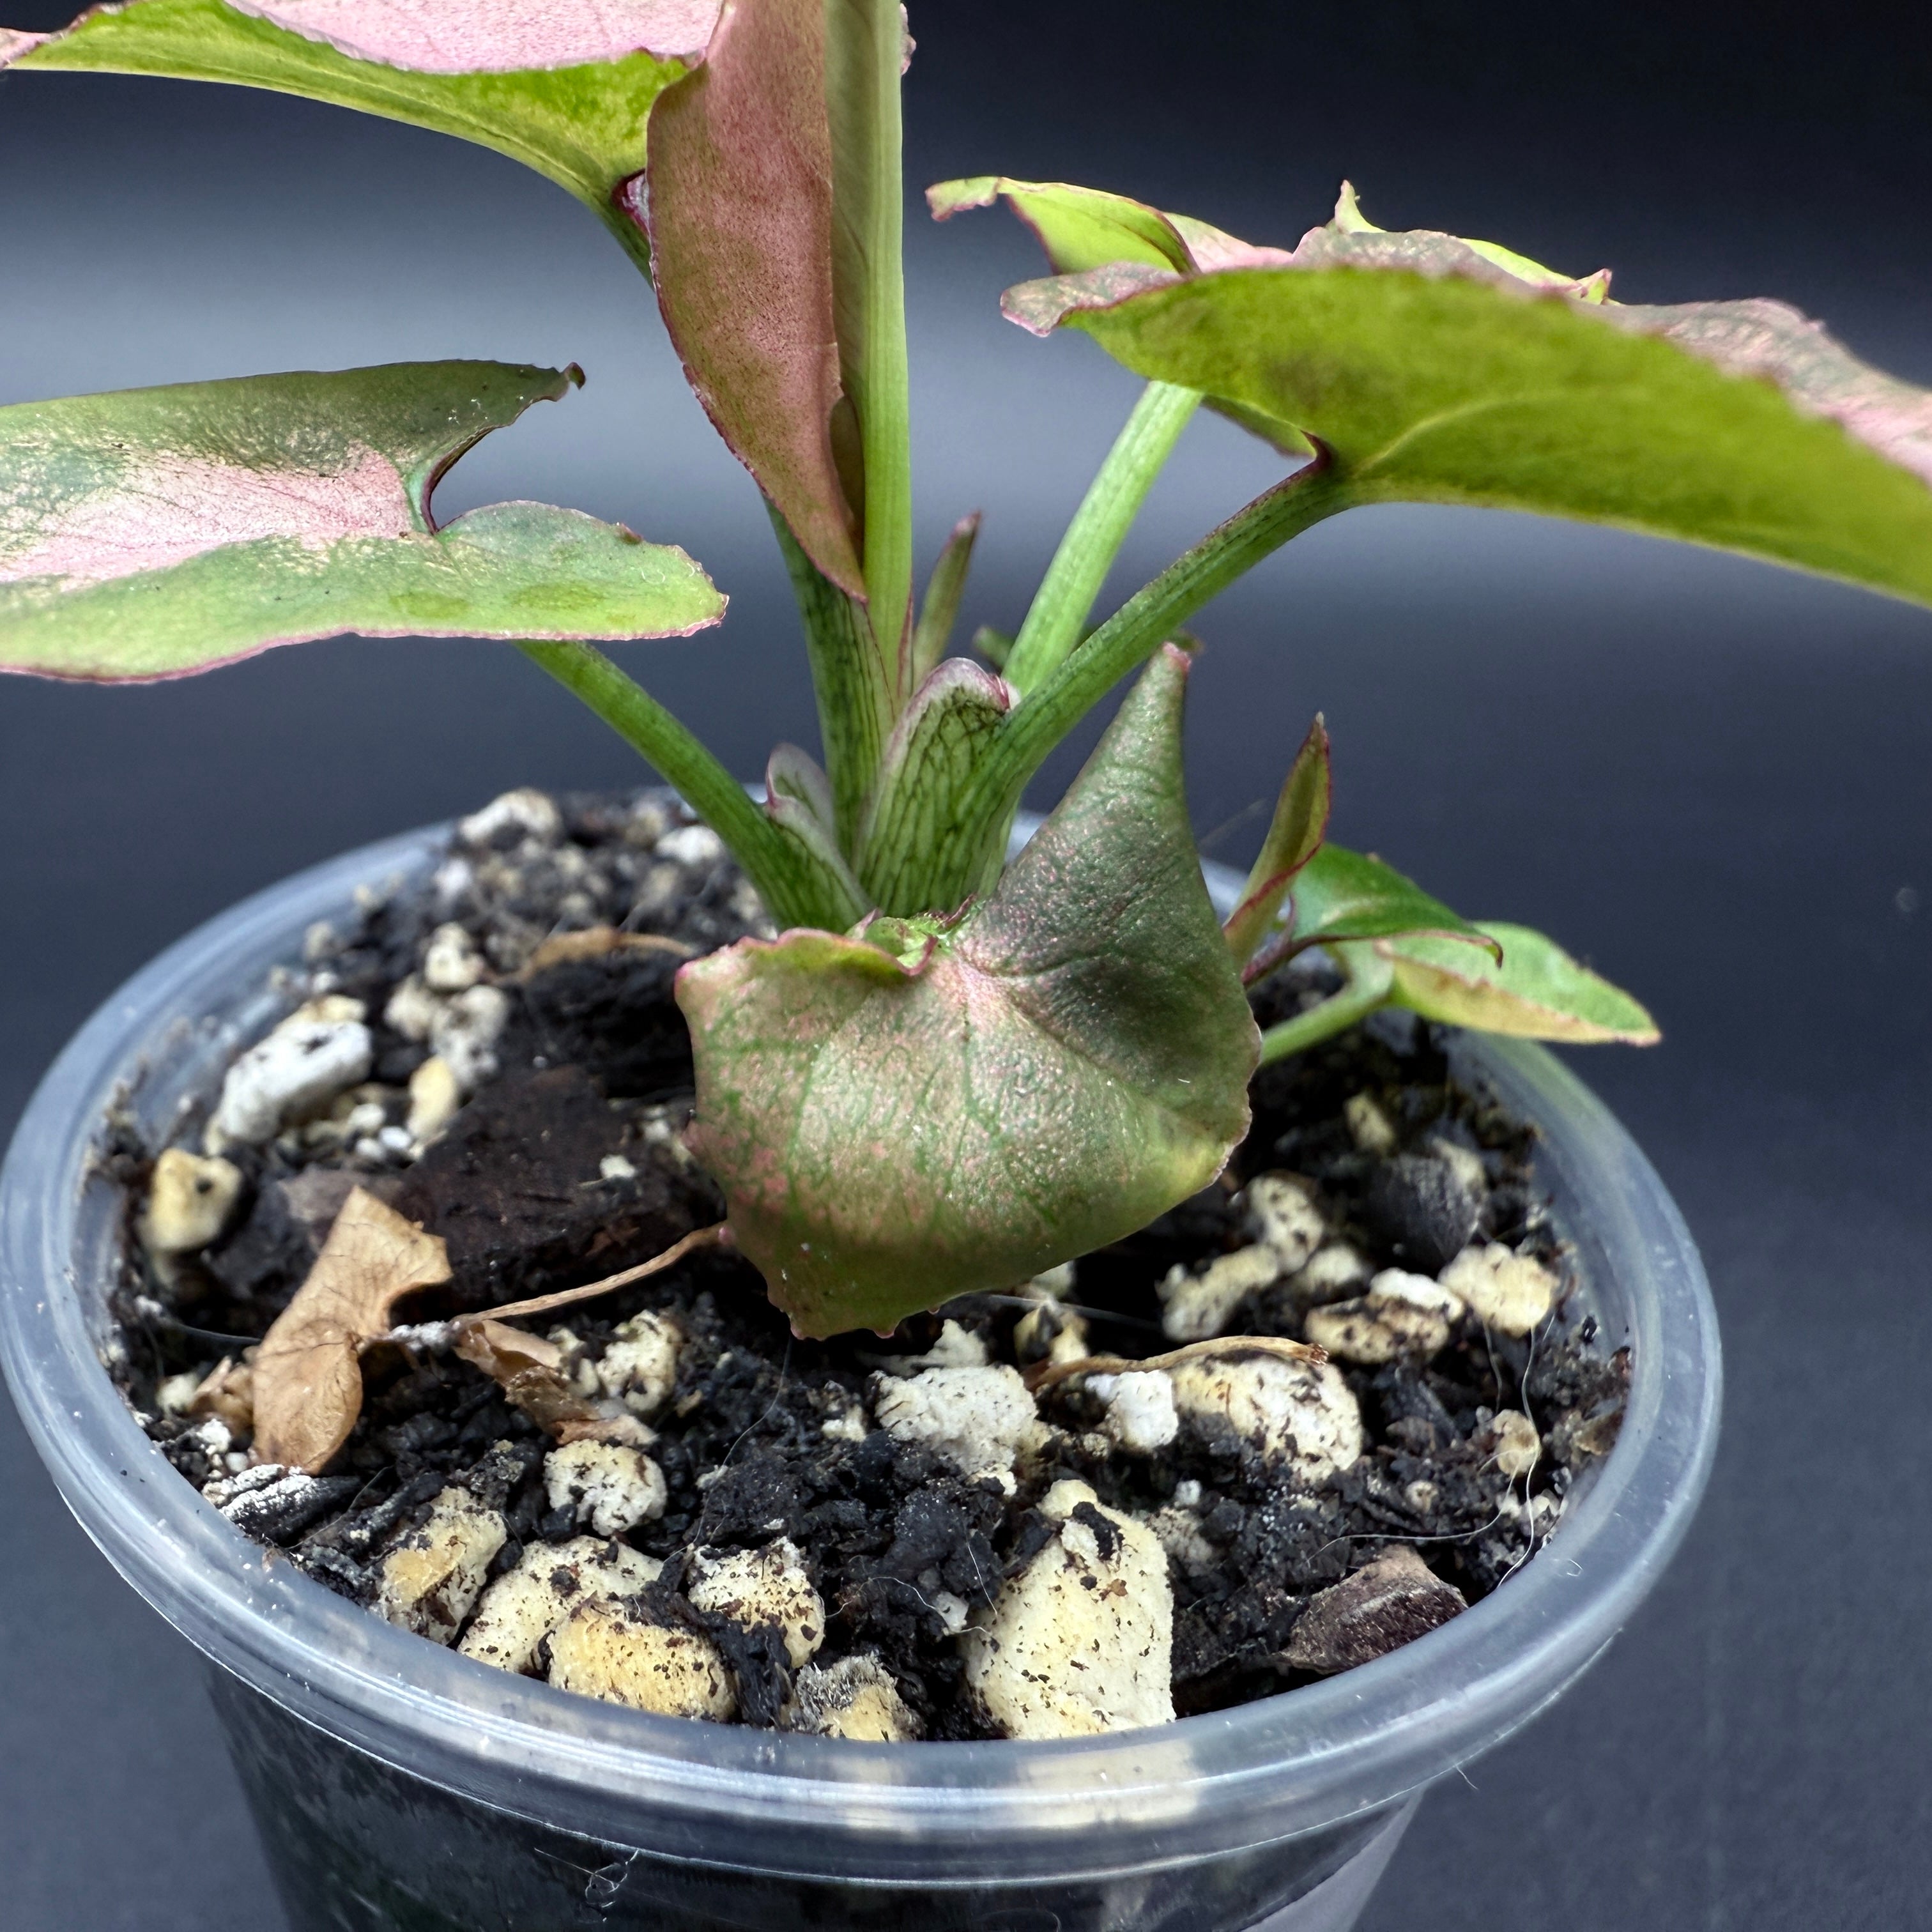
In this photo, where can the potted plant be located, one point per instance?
(945, 1074)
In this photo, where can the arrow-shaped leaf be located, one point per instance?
(158, 532)
(565, 87)
(1431, 369)
(892, 1127)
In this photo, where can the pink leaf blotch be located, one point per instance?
(495, 36)
(936, 1105)
(736, 203)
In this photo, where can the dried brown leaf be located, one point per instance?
(529, 1371)
(307, 1382)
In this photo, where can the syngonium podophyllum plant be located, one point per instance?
(951, 1070)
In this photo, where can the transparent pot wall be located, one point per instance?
(401, 1786)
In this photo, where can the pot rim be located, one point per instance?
(1271, 1769)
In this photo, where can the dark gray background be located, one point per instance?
(1709, 777)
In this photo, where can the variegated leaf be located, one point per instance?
(943, 1106)
(154, 533)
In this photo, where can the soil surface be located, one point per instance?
(853, 1537)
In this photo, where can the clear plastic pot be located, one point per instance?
(401, 1786)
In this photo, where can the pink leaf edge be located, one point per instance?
(495, 36)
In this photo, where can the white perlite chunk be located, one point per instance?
(451, 962)
(1284, 1214)
(1508, 1291)
(975, 1418)
(465, 1033)
(1081, 1640)
(434, 1097)
(1331, 1269)
(189, 1202)
(429, 1581)
(771, 1585)
(525, 1604)
(319, 1050)
(1197, 1307)
(1184, 1539)
(639, 1366)
(611, 1486)
(1403, 1316)
(957, 1348)
(696, 846)
(855, 1698)
(610, 1649)
(526, 810)
(1369, 1128)
(1517, 1444)
(1300, 1414)
(1140, 1416)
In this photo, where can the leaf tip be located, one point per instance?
(15, 45)
(948, 198)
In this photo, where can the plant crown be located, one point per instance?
(950, 1070)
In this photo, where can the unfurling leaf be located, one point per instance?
(1339, 895)
(940, 612)
(154, 533)
(307, 1382)
(930, 760)
(1429, 369)
(565, 87)
(995, 1094)
(1536, 990)
(1295, 835)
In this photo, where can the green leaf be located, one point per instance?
(799, 804)
(566, 89)
(1068, 1060)
(929, 764)
(1080, 228)
(1295, 835)
(157, 532)
(1430, 371)
(1340, 894)
(939, 612)
(1535, 991)
(1085, 230)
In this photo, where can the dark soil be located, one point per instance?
(566, 1166)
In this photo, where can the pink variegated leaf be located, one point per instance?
(156, 533)
(942, 1104)
(737, 204)
(1431, 369)
(564, 86)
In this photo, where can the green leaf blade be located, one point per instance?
(156, 533)
(1341, 895)
(1535, 991)
(1429, 370)
(576, 112)
(1067, 1060)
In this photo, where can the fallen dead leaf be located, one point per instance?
(307, 1381)
(529, 1371)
